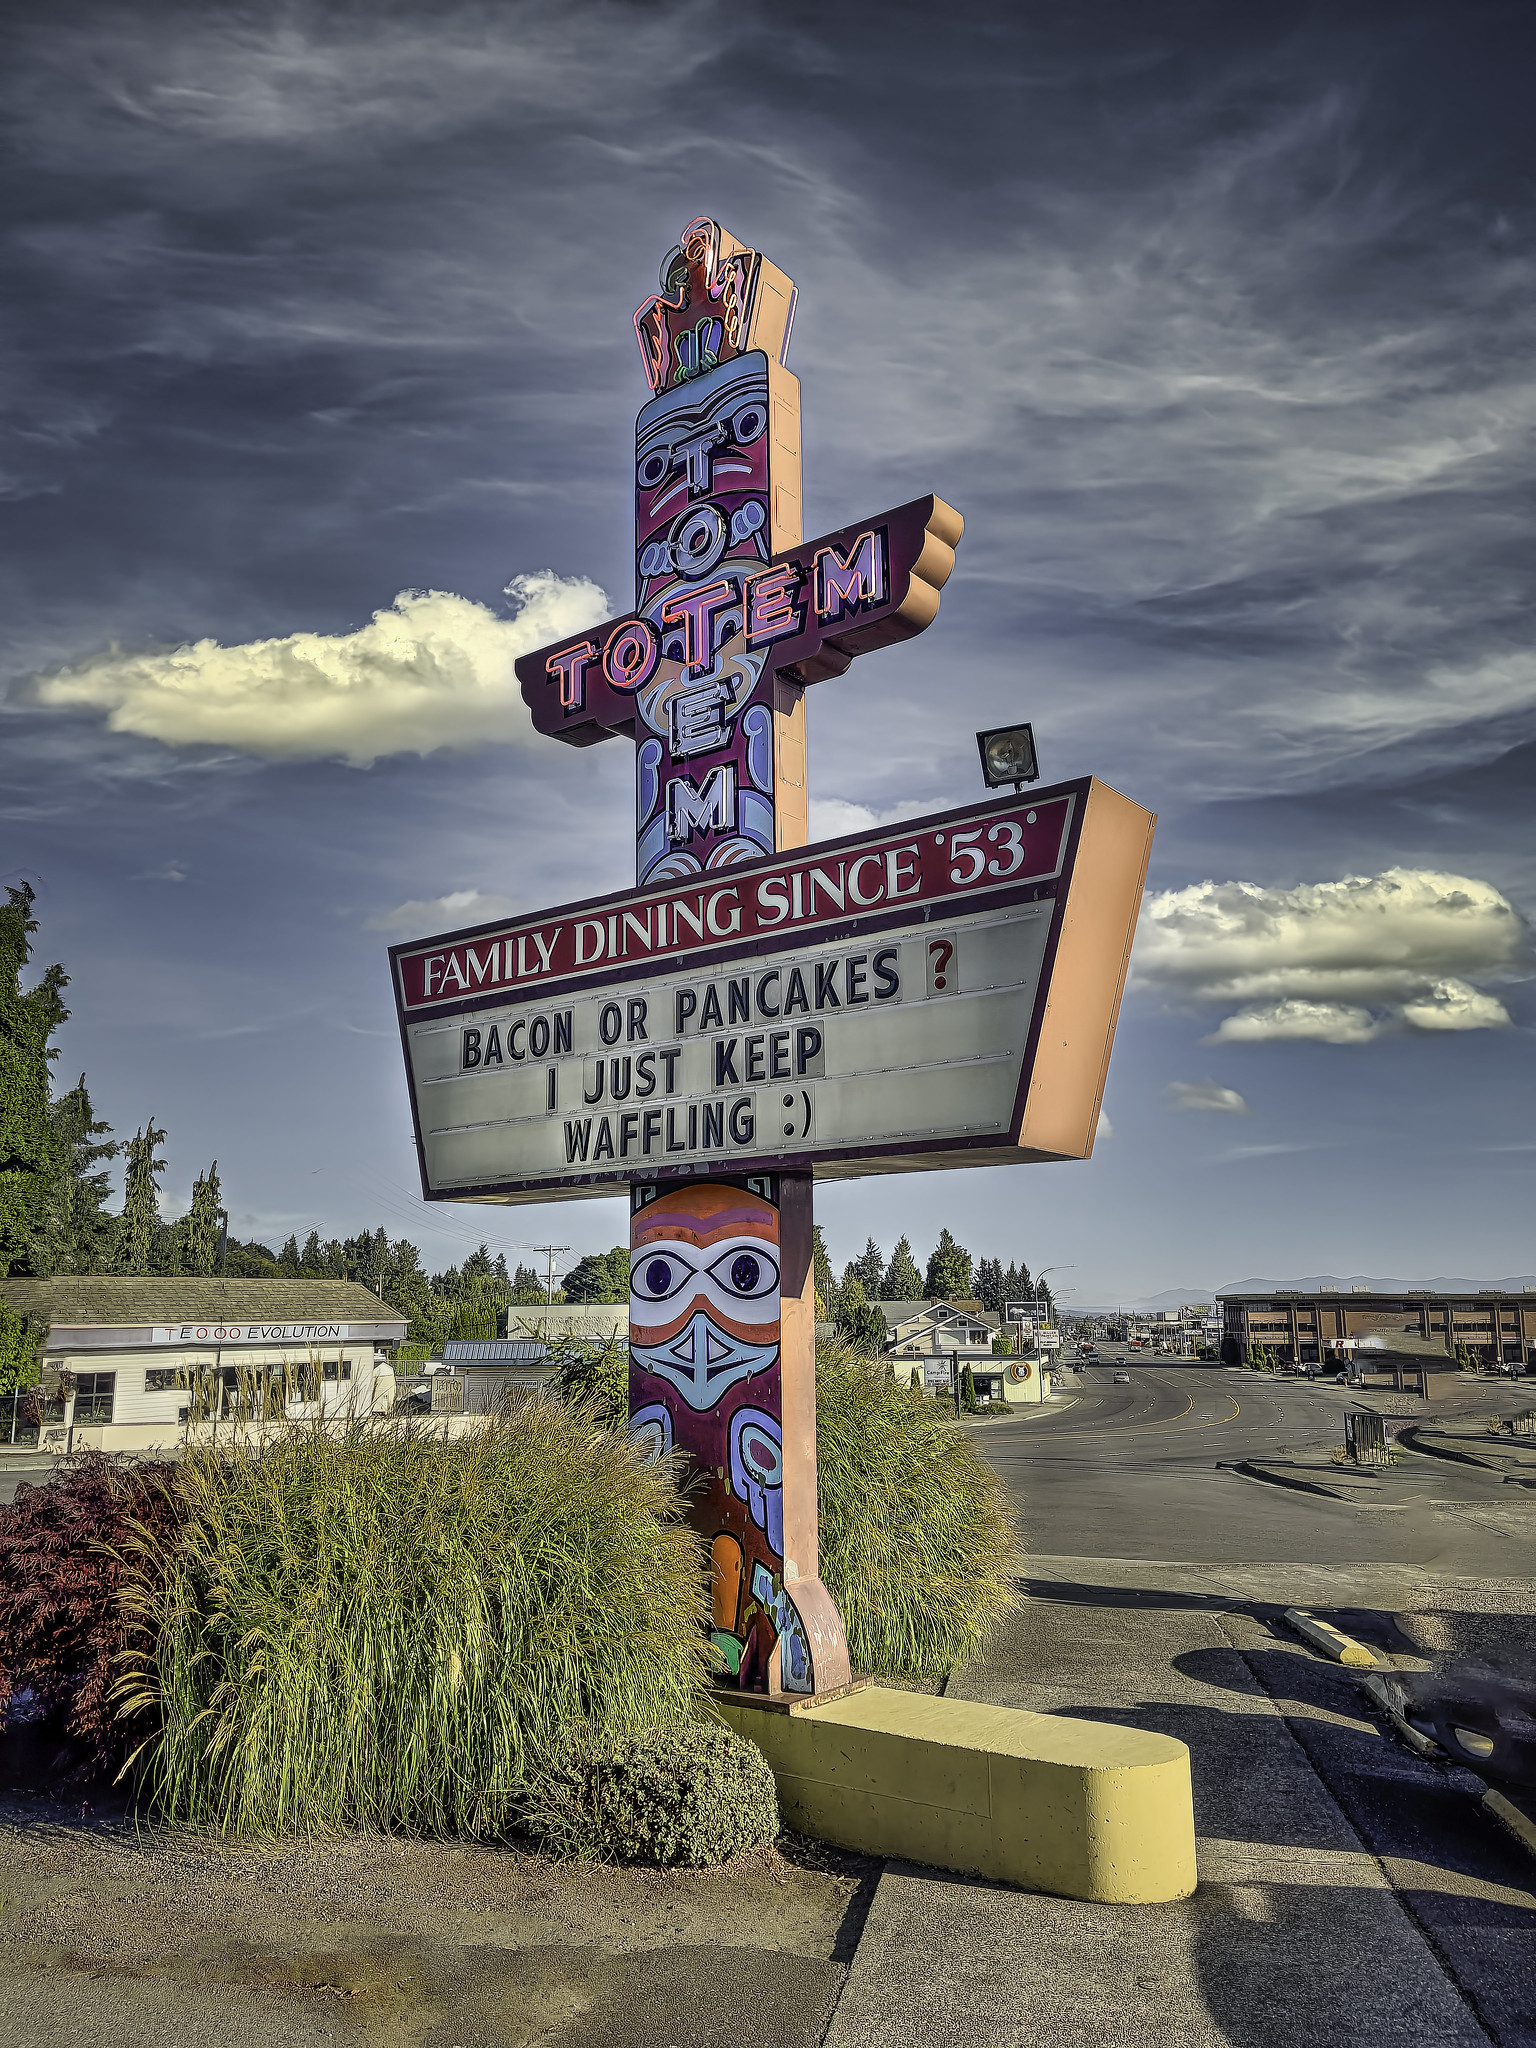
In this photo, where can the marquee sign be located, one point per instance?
(875, 1004)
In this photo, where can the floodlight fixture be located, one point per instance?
(1008, 755)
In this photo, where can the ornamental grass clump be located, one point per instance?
(692, 1795)
(393, 1631)
(918, 1545)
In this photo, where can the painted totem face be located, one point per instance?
(704, 1292)
(704, 1380)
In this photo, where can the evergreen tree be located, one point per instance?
(28, 1019)
(968, 1399)
(824, 1280)
(200, 1237)
(600, 1277)
(406, 1289)
(288, 1263)
(870, 1267)
(77, 1230)
(140, 1227)
(989, 1285)
(167, 1249)
(474, 1319)
(902, 1281)
(312, 1258)
(527, 1288)
(949, 1271)
(858, 1320)
(1017, 1285)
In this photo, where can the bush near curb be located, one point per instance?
(387, 1630)
(693, 1795)
(918, 1544)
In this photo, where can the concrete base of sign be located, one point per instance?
(1052, 1805)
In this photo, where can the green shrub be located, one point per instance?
(968, 1399)
(388, 1630)
(918, 1544)
(594, 1371)
(689, 1794)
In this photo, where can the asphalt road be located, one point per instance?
(1144, 1471)
(1349, 1890)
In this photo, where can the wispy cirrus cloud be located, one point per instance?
(457, 910)
(1206, 1095)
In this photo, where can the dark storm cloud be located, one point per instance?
(1217, 324)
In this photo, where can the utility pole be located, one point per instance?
(551, 1250)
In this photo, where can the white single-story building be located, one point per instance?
(144, 1363)
(479, 1374)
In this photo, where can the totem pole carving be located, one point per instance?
(734, 617)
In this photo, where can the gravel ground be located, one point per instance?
(117, 1933)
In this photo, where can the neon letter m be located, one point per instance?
(710, 808)
(853, 585)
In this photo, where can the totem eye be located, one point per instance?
(656, 1277)
(747, 1275)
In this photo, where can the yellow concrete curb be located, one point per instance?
(1053, 1805)
(1509, 1816)
(1333, 1642)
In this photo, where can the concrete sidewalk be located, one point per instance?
(1349, 1892)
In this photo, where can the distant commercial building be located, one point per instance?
(142, 1364)
(1299, 1328)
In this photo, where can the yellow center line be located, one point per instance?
(1057, 1436)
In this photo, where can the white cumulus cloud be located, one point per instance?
(1206, 1094)
(430, 671)
(1331, 1023)
(454, 912)
(1341, 961)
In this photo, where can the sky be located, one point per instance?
(1217, 324)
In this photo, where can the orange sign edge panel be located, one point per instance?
(1087, 977)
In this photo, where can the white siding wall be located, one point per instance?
(135, 1408)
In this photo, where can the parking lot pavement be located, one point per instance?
(1348, 1891)
(18, 1465)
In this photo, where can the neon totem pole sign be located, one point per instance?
(735, 616)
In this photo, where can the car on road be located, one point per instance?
(1122, 1379)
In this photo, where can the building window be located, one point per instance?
(93, 1396)
(160, 1379)
(334, 1368)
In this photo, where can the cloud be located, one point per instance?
(1104, 1128)
(1339, 962)
(832, 817)
(1331, 1023)
(453, 912)
(1206, 1094)
(430, 671)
